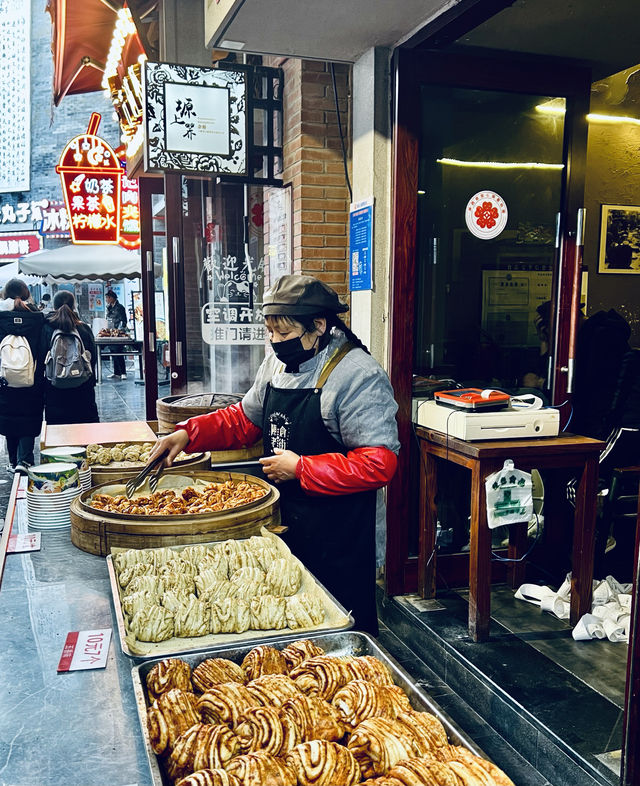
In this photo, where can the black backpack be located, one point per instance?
(68, 363)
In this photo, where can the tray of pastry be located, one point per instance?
(190, 598)
(328, 709)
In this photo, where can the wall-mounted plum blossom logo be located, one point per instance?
(486, 215)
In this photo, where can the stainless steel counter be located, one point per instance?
(78, 728)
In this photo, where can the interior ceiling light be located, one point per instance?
(499, 164)
(227, 44)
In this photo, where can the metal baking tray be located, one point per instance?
(347, 643)
(337, 619)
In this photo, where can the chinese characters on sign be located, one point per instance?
(49, 215)
(360, 245)
(15, 246)
(486, 215)
(85, 649)
(232, 317)
(91, 182)
(130, 210)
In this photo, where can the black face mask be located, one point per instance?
(292, 353)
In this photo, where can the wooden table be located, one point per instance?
(87, 433)
(483, 458)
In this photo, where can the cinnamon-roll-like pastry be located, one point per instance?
(231, 615)
(322, 763)
(193, 554)
(267, 729)
(266, 556)
(272, 690)
(216, 671)
(299, 651)
(427, 730)
(262, 660)
(370, 668)
(261, 769)
(284, 576)
(174, 599)
(243, 559)
(218, 590)
(247, 575)
(202, 747)
(379, 743)
(215, 559)
(359, 700)
(173, 577)
(316, 718)
(247, 589)
(170, 716)
(304, 611)
(152, 623)
(232, 546)
(125, 559)
(423, 771)
(209, 778)
(152, 584)
(139, 569)
(131, 604)
(259, 542)
(226, 703)
(323, 675)
(192, 619)
(268, 613)
(163, 555)
(211, 577)
(169, 673)
(457, 753)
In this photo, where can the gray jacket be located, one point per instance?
(357, 403)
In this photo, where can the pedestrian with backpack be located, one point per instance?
(69, 357)
(21, 374)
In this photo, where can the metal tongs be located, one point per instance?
(134, 484)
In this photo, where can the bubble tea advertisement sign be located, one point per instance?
(91, 182)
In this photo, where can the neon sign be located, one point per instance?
(91, 182)
(130, 212)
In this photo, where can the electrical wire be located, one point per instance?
(344, 152)
(498, 558)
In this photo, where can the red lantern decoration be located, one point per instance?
(91, 182)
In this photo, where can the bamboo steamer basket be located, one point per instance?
(97, 532)
(171, 410)
(108, 474)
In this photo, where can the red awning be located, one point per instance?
(81, 39)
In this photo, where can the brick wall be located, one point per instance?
(313, 165)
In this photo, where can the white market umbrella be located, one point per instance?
(10, 270)
(82, 263)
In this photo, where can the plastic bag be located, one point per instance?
(509, 496)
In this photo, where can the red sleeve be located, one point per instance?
(362, 469)
(224, 429)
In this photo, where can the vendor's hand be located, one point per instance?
(172, 444)
(280, 467)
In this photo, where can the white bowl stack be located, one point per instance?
(50, 511)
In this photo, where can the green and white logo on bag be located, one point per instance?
(509, 496)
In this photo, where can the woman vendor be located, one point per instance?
(325, 410)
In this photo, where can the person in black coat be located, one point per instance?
(117, 319)
(21, 408)
(69, 405)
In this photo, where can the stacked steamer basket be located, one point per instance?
(51, 489)
(72, 454)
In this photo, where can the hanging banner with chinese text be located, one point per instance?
(91, 174)
(15, 246)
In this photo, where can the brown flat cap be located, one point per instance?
(297, 295)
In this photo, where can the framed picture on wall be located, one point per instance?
(619, 239)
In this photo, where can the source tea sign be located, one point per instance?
(85, 649)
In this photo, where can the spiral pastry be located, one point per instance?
(259, 542)
(178, 565)
(131, 604)
(210, 577)
(231, 615)
(192, 619)
(457, 753)
(427, 730)
(262, 660)
(368, 667)
(268, 613)
(209, 778)
(316, 718)
(139, 569)
(170, 716)
(202, 747)
(284, 576)
(152, 623)
(226, 704)
(322, 763)
(215, 671)
(232, 546)
(247, 589)
(323, 675)
(359, 700)
(163, 555)
(174, 600)
(272, 690)
(304, 611)
(169, 673)
(266, 556)
(130, 557)
(299, 651)
(216, 590)
(194, 554)
(216, 560)
(243, 559)
(422, 771)
(379, 743)
(247, 575)
(265, 728)
(261, 769)
(152, 584)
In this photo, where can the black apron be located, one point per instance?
(334, 536)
